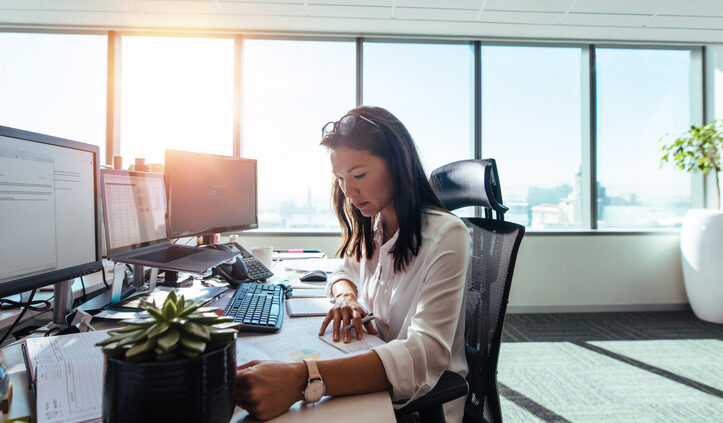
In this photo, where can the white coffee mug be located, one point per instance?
(263, 254)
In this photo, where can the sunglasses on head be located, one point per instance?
(344, 125)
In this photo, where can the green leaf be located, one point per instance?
(158, 329)
(196, 330)
(171, 297)
(192, 343)
(138, 322)
(169, 340)
(156, 314)
(169, 308)
(223, 334)
(226, 325)
(180, 305)
(206, 318)
(141, 348)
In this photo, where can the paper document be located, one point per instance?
(307, 265)
(298, 342)
(68, 375)
(307, 292)
(308, 306)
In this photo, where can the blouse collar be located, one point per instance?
(379, 234)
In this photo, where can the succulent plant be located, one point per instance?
(176, 330)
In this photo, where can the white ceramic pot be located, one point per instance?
(701, 248)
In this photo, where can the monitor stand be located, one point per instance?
(62, 302)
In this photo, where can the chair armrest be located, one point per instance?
(449, 387)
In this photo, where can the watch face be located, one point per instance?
(314, 391)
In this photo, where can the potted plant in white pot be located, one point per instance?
(176, 365)
(701, 235)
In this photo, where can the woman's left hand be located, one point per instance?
(267, 389)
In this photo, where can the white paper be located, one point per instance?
(68, 374)
(307, 265)
(300, 341)
(308, 306)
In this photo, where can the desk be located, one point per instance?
(375, 407)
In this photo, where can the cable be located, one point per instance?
(36, 305)
(20, 316)
(82, 286)
(105, 282)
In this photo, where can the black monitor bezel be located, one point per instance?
(215, 230)
(115, 252)
(47, 278)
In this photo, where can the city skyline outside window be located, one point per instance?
(531, 125)
(290, 90)
(55, 84)
(641, 96)
(177, 93)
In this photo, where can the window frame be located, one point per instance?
(698, 78)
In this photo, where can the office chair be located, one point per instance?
(495, 244)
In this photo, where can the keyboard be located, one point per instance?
(173, 252)
(260, 307)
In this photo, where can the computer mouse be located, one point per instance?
(313, 276)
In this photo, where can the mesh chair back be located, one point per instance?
(489, 277)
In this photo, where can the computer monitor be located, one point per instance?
(210, 194)
(50, 208)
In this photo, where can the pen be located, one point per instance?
(368, 318)
(297, 251)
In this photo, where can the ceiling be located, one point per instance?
(684, 21)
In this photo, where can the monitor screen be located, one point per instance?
(49, 203)
(134, 204)
(210, 194)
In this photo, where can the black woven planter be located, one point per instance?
(193, 390)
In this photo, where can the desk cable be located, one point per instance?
(20, 316)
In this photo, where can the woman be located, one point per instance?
(405, 260)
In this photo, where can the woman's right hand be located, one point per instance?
(346, 310)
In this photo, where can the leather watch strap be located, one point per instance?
(313, 369)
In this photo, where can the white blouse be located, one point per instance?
(420, 311)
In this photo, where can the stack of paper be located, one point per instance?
(67, 374)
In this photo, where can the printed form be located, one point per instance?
(68, 375)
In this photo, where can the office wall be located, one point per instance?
(568, 273)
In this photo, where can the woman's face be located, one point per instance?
(364, 178)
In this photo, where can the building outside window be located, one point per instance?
(641, 96)
(531, 124)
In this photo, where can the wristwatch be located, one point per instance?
(315, 387)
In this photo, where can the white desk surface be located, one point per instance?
(375, 407)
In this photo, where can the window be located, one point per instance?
(531, 124)
(176, 93)
(55, 84)
(290, 90)
(430, 88)
(641, 96)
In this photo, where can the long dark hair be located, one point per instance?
(392, 143)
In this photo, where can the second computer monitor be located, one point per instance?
(210, 194)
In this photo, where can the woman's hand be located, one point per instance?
(346, 310)
(267, 389)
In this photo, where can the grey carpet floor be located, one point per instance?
(611, 367)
